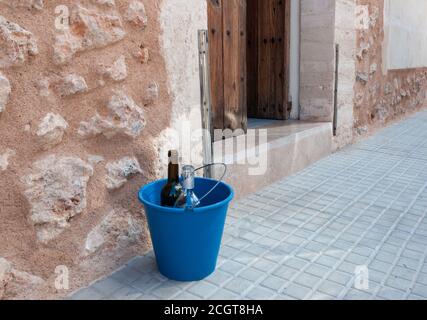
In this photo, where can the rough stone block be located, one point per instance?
(16, 44)
(56, 191)
(89, 29)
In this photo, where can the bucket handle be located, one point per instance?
(219, 181)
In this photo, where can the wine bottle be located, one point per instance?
(172, 189)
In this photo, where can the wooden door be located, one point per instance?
(249, 60)
(268, 26)
(227, 52)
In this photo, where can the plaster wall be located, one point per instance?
(85, 120)
(405, 34)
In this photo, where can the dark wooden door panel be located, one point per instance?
(216, 61)
(252, 57)
(227, 46)
(268, 58)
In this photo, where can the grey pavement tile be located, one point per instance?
(168, 290)
(146, 282)
(420, 290)
(202, 289)
(265, 265)
(331, 288)
(295, 263)
(127, 275)
(297, 291)
(260, 293)
(388, 293)
(422, 278)
(252, 274)
(186, 296)
(232, 266)
(147, 296)
(88, 294)
(347, 267)
(307, 280)
(255, 249)
(356, 259)
(108, 286)
(317, 270)
(238, 285)
(403, 272)
(408, 263)
(219, 277)
(363, 251)
(286, 247)
(386, 257)
(321, 296)
(377, 276)
(306, 254)
(223, 294)
(341, 278)
(415, 297)
(266, 242)
(245, 257)
(398, 283)
(143, 264)
(276, 255)
(354, 294)
(285, 272)
(228, 252)
(380, 266)
(274, 283)
(126, 293)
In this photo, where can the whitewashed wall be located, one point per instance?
(405, 43)
(180, 21)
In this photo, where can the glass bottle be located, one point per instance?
(188, 198)
(172, 189)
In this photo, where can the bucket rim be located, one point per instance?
(180, 210)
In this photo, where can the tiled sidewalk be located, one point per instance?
(304, 237)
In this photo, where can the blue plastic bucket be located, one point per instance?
(186, 243)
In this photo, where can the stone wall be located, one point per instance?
(382, 96)
(81, 110)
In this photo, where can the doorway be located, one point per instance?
(249, 42)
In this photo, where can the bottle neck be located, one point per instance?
(188, 177)
(173, 172)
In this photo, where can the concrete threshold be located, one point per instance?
(280, 149)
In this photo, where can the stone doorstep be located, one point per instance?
(291, 146)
